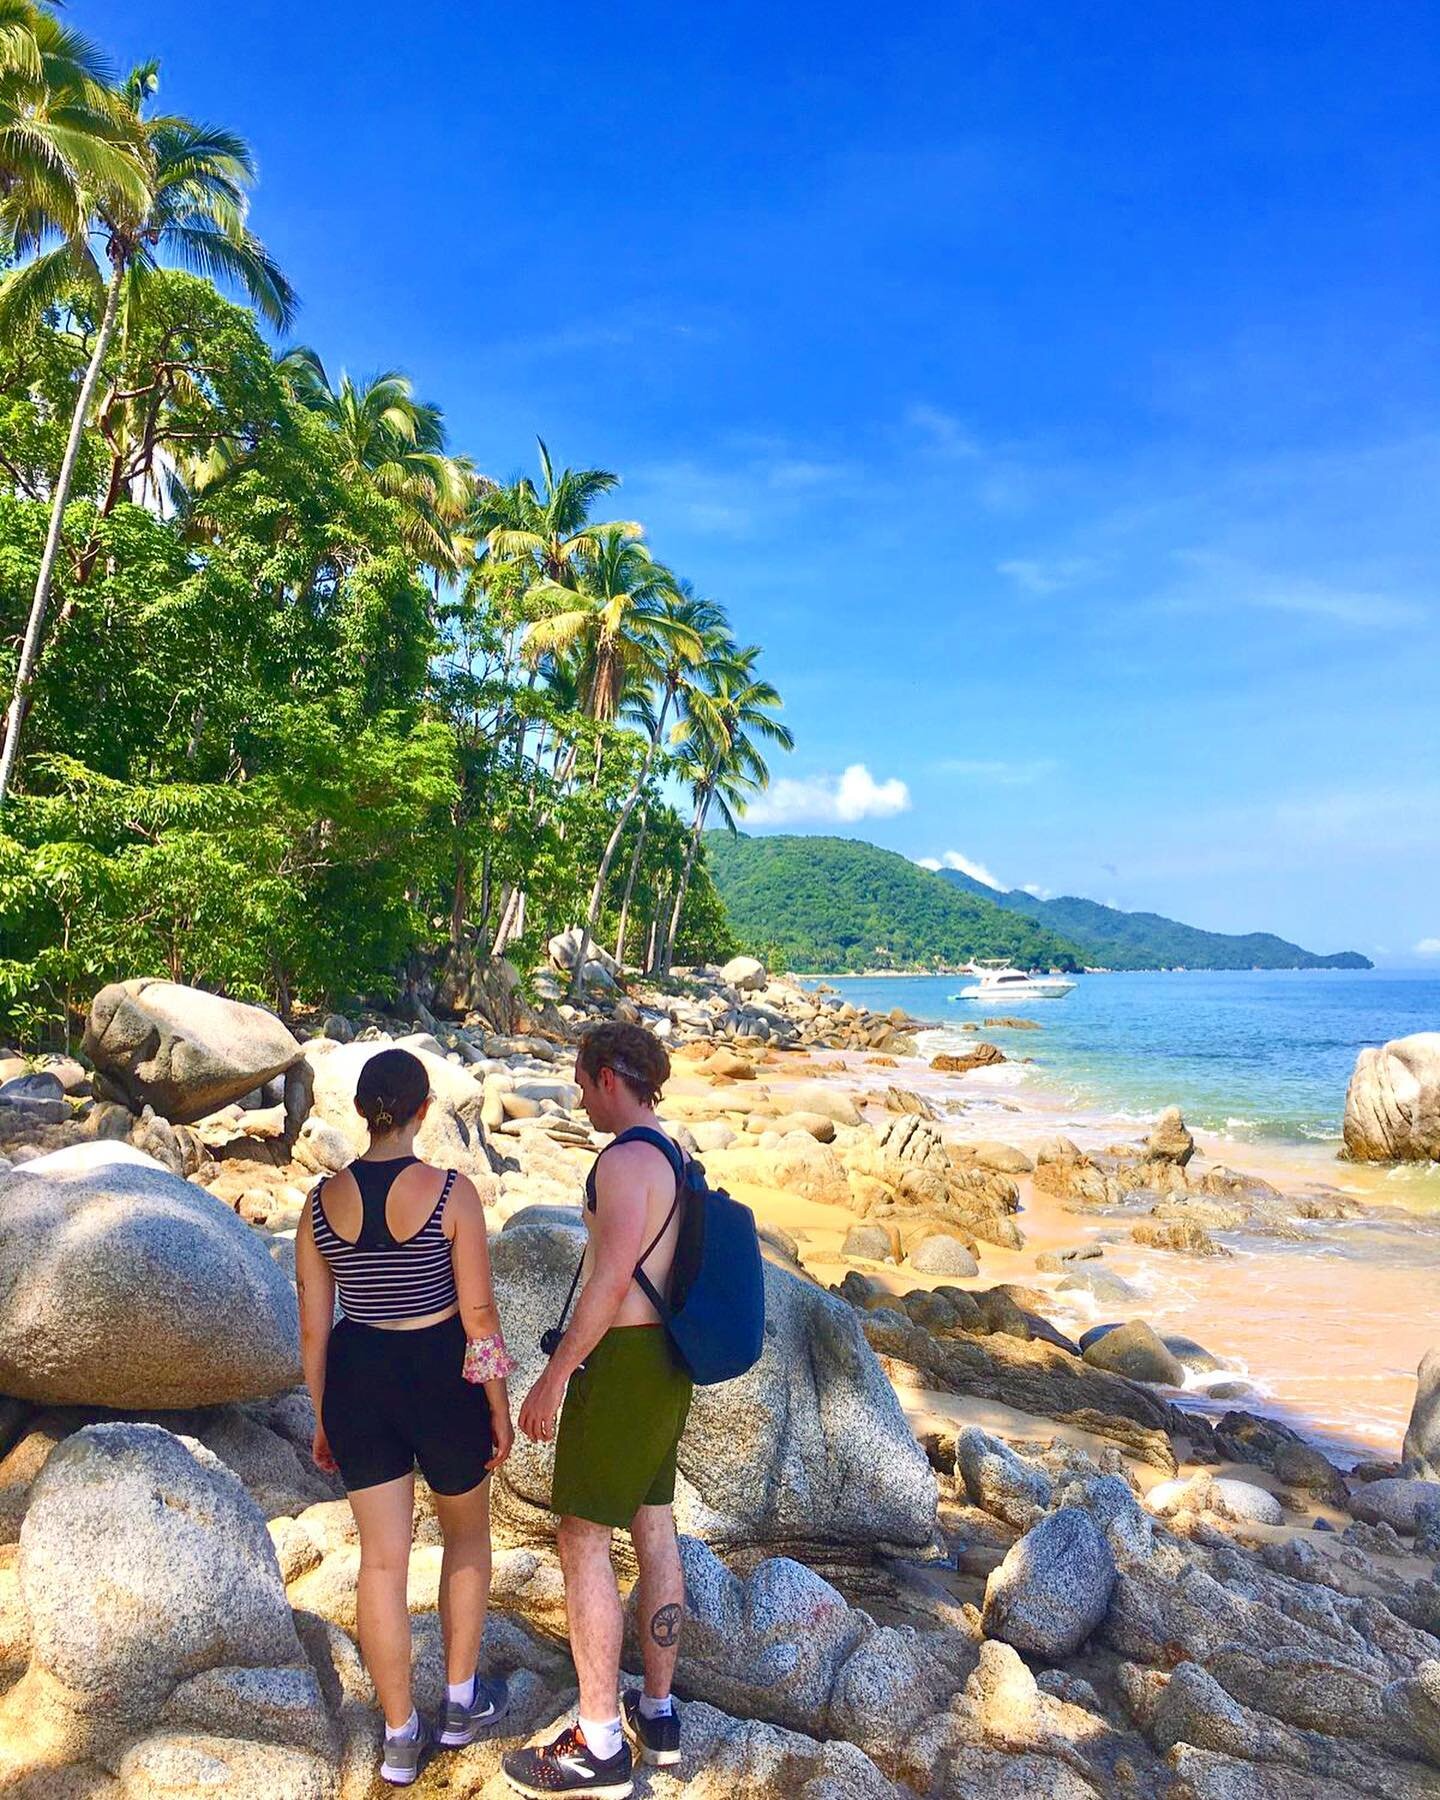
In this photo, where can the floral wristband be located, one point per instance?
(487, 1359)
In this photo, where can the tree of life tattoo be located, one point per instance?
(665, 1626)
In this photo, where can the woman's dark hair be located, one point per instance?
(636, 1056)
(392, 1088)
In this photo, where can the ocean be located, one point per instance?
(1253, 1055)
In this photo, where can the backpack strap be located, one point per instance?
(640, 1134)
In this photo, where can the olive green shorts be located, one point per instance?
(620, 1428)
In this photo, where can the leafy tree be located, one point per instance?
(163, 185)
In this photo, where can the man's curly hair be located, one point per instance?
(636, 1055)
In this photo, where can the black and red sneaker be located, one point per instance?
(567, 1765)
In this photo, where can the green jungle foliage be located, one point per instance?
(826, 905)
(1141, 940)
(318, 707)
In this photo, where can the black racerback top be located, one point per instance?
(382, 1277)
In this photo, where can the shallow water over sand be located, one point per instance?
(1330, 1329)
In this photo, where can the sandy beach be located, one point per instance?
(1327, 1329)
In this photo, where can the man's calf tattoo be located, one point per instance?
(665, 1626)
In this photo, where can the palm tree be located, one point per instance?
(396, 442)
(187, 201)
(613, 620)
(64, 133)
(725, 720)
(707, 621)
(549, 527)
(683, 620)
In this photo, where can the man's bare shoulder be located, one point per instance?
(633, 1164)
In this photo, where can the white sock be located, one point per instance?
(603, 1736)
(408, 1731)
(656, 1709)
(461, 1692)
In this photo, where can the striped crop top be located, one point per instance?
(382, 1277)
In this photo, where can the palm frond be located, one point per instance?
(29, 291)
(245, 265)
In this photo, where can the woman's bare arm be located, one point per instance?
(315, 1290)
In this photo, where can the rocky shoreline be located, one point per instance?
(974, 1526)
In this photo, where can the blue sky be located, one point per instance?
(1052, 389)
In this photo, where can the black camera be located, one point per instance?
(550, 1340)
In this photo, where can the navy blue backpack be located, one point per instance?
(715, 1315)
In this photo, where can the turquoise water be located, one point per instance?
(1252, 1054)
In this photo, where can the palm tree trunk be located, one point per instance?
(597, 893)
(509, 900)
(691, 851)
(630, 886)
(30, 649)
(654, 932)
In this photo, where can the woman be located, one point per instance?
(414, 1371)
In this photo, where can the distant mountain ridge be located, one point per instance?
(1144, 940)
(824, 905)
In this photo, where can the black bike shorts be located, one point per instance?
(395, 1398)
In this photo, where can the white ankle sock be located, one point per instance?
(656, 1709)
(462, 1692)
(410, 1729)
(603, 1736)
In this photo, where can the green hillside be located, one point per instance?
(825, 905)
(1145, 940)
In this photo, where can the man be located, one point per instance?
(625, 1399)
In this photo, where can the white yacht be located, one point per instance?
(1014, 984)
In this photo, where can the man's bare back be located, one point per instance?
(623, 1171)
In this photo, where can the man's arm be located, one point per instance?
(623, 1179)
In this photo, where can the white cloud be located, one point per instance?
(1037, 577)
(1215, 580)
(994, 772)
(943, 432)
(1428, 947)
(1034, 889)
(830, 799)
(952, 859)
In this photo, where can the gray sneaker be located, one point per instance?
(405, 1757)
(463, 1724)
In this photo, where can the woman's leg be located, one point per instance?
(464, 1577)
(384, 1514)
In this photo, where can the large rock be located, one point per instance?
(809, 1446)
(453, 1135)
(186, 1765)
(747, 973)
(1392, 1106)
(564, 950)
(142, 1566)
(1170, 1140)
(818, 1097)
(1138, 1351)
(122, 1285)
(1394, 1502)
(1422, 1435)
(797, 1165)
(785, 1646)
(998, 1481)
(942, 1253)
(1053, 1587)
(183, 1051)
